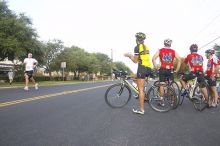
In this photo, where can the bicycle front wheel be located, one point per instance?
(161, 104)
(117, 95)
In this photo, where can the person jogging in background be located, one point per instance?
(10, 76)
(195, 62)
(30, 64)
(166, 69)
(211, 75)
(142, 57)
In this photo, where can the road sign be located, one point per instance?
(63, 64)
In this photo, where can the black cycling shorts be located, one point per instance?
(165, 75)
(193, 75)
(143, 72)
(211, 82)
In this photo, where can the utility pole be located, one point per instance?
(209, 42)
(63, 65)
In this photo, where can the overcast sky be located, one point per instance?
(102, 25)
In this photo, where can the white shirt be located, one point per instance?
(29, 63)
(10, 75)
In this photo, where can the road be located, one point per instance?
(77, 115)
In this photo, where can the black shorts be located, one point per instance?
(193, 75)
(29, 73)
(165, 75)
(211, 82)
(143, 72)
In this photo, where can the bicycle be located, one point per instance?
(195, 95)
(173, 84)
(119, 94)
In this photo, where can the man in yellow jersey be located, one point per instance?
(142, 57)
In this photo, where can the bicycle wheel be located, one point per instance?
(198, 99)
(157, 83)
(117, 95)
(176, 89)
(161, 104)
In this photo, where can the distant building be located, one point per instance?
(7, 65)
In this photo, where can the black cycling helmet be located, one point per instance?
(210, 51)
(167, 42)
(193, 48)
(140, 36)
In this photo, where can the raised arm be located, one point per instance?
(156, 55)
(134, 58)
(216, 68)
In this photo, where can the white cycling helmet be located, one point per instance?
(167, 42)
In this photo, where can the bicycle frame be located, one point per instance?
(131, 86)
(125, 81)
(192, 87)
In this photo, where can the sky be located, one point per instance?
(105, 25)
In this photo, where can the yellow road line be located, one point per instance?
(4, 104)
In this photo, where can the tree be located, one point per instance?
(120, 66)
(17, 37)
(75, 58)
(51, 51)
(217, 50)
(104, 63)
(93, 64)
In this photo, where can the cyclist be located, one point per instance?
(166, 69)
(212, 74)
(195, 62)
(30, 64)
(142, 57)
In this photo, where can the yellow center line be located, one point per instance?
(4, 104)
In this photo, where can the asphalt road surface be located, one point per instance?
(77, 115)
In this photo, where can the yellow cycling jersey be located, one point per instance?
(144, 55)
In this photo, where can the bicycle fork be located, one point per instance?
(121, 89)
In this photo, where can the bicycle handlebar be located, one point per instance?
(124, 74)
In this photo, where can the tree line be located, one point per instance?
(18, 37)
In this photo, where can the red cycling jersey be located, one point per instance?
(167, 56)
(195, 62)
(210, 66)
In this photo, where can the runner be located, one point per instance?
(30, 64)
(10, 76)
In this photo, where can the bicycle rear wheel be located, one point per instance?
(161, 104)
(117, 95)
(176, 89)
(198, 99)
